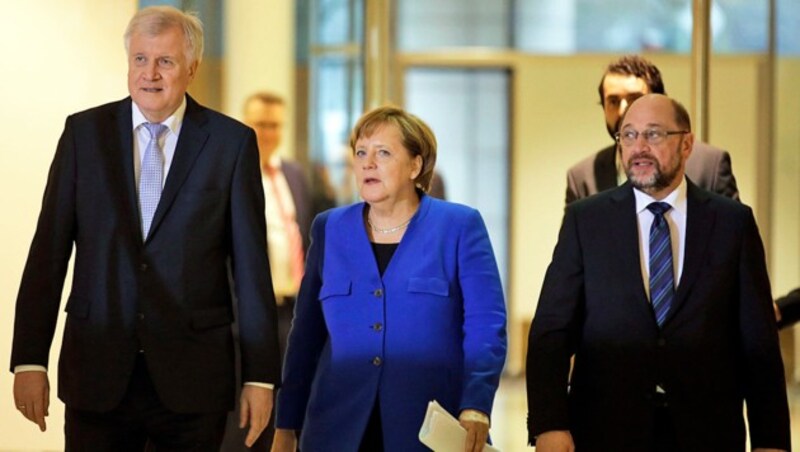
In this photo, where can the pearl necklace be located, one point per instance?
(388, 230)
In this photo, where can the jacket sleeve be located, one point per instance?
(553, 335)
(306, 338)
(724, 180)
(484, 316)
(764, 383)
(258, 327)
(43, 278)
(790, 308)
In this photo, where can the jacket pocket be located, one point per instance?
(433, 286)
(335, 289)
(78, 306)
(209, 318)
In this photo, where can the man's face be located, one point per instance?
(619, 92)
(159, 72)
(267, 120)
(655, 167)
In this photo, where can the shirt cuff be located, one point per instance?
(260, 385)
(474, 416)
(29, 368)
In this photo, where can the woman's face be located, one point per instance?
(384, 168)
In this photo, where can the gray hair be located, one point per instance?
(155, 20)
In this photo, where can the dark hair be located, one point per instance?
(638, 67)
(418, 138)
(681, 116)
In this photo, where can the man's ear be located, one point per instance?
(688, 145)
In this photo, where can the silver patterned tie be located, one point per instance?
(151, 176)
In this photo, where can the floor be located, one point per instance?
(510, 410)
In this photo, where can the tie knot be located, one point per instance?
(155, 129)
(659, 208)
(272, 171)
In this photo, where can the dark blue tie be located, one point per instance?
(662, 286)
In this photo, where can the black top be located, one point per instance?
(383, 254)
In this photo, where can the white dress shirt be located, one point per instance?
(278, 243)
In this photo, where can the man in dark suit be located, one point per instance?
(624, 81)
(147, 353)
(289, 214)
(659, 290)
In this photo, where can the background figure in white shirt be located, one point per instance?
(288, 210)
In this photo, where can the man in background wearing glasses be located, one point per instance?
(625, 80)
(659, 290)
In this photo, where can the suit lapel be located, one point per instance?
(190, 144)
(121, 164)
(699, 226)
(605, 168)
(625, 237)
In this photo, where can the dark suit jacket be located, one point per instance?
(708, 167)
(169, 295)
(790, 308)
(301, 196)
(717, 348)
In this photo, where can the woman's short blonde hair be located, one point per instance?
(418, 138)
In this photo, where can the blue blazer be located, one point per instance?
(433, 327)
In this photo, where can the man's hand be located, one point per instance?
(555, 441)
(477, 426)
(32, 396)
(256, 407)
(284, 441)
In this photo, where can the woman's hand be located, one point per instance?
(284, 440)
(477, 426)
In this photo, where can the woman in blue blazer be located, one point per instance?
(401, 304)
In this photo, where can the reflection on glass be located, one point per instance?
(426, 24)
(337, 22)
(468, 110)
(574, 26)
(336, 105)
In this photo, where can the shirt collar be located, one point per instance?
(173, 122)
(275, 162)
(676, 198)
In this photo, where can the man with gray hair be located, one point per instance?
(162, 200)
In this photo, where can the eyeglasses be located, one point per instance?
(628, 137)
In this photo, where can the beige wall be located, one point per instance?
(259, 55)
(59, 57)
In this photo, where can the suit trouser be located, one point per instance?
(142, 422)
(665, 438)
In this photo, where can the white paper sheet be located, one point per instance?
(442, 432)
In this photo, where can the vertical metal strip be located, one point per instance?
(701, 51)
(377, 52)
